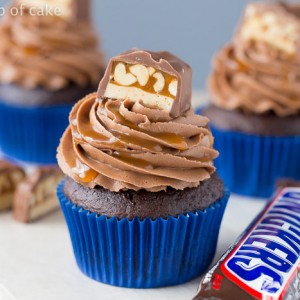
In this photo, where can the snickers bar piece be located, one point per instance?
(74, 10)
(157, 79)
(10, 176)
(275, 24)
(264, 263)
(36, 194)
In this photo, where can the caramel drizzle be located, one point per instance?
(131, 160)
(177, 141)
(87, 130)
(70, 158)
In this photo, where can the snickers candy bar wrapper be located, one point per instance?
(264, 262)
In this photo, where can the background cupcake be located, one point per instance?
(141, 199)
(47, 63)
(256, 100)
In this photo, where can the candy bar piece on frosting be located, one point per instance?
(157, 79)
(69, 9)
(36, 194)
(275, 24)
(10, 176)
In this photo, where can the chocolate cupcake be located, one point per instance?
(141, 198)
(256, 107)
(47, 63)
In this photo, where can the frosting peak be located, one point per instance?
(50, 52)
(259, 71)
(123, 145)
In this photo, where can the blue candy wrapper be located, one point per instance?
(32, 134)
(143, 253)
(250, 165)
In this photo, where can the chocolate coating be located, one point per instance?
(265, 125)
(144, 204)
(18, 95)
(163, 61)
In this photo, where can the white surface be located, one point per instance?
(36, 260)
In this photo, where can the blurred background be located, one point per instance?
(192, 29)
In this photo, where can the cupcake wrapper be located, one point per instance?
(250, 165)
(143, 254)
(32, 134)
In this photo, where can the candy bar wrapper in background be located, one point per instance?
(28, 142)
(124, 252)
(264, 159)
(264, 263)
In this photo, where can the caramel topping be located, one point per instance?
(85, 173)
(85, 127)
(237, 65)
(128, 158)
(178, 141)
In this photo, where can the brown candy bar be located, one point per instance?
(76, 10)
(275, 24)
(158, 79)
(264, 263)
(36, 194)
(10, 176)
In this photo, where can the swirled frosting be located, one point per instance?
(257, 73)
(120, 145)
(49, 52)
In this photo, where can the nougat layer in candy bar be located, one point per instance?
(157, 79)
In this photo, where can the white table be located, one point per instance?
(37, 263)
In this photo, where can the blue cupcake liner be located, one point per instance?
(250, 164)
(32, 134)
(143, 253)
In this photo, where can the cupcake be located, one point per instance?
(141, 197)
(47, 63)
(255, 110)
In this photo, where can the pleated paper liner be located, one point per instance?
(32, 134)
(250, 164)
(143, 253)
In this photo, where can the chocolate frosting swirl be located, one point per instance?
(122, 145)
(49, 52)
(256, 78)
